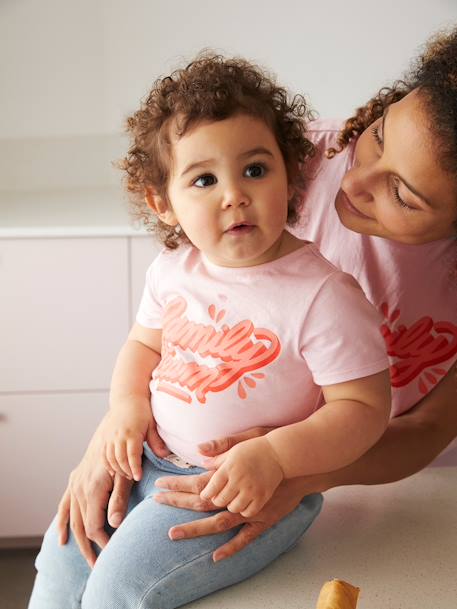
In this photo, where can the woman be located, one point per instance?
(393, 179)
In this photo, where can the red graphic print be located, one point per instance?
(238, 350)
(423, 345)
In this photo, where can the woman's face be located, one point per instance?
(397, 188)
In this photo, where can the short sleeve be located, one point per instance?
(150, 310)
(341, 338)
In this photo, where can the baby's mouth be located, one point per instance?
(240, 228)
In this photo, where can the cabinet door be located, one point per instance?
(63, 312)
(42, 437)
(143, 252)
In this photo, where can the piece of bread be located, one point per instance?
(337, 594)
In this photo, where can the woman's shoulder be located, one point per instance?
(323, 133)
(325, 125)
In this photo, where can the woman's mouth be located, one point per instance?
(348, 205)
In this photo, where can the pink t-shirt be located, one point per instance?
(414, 287)
(243, 347)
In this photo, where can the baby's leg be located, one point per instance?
(62, 574)
(62, 571)
(141, 568)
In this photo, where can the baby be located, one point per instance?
(241, 324)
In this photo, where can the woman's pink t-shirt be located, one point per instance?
(414, 287)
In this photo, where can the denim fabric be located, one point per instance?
(141, 568)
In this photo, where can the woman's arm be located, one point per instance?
(410, 442)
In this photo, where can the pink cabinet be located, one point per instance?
(63, 312)
(66, 305)
(42, 437)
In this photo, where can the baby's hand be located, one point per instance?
(247, 476)
(124, 432)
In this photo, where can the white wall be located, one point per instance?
(77, 68)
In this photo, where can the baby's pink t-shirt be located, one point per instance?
(414, 287)
(246, 347)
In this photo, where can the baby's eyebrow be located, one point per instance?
(197, 164)
(254, 151)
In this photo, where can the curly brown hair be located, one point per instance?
(434, 74)
(212, 87)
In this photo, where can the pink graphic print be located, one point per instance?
(237, 351)
(421, 346)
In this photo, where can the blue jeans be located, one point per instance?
(141, 568)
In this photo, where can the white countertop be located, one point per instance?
(76, 212)
(64, 186)
(396, 542)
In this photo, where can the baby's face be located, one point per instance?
(229, 190)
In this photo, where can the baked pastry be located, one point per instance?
(337, 594)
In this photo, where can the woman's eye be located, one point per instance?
(377, 136)
(255, 171)
(205, 181)
(398, 199)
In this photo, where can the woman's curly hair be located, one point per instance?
(210, 88)
(434, 73)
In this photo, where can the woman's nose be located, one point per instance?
(358, 184)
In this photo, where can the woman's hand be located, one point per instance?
(84, 503)
(92, 495)
(184, 492)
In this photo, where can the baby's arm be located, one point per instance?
(354, 417)
(130, 413)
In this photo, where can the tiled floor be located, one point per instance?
(16, 577)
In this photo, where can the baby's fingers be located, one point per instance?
(227, 494)
(214, 486)
(238, 504)
(106, 463)
(134, 453)
(252, 509)
(120, 451)
(111, 462)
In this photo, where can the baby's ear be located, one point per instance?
(160, 206)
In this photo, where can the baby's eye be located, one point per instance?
(205, 181)
(255, 171)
